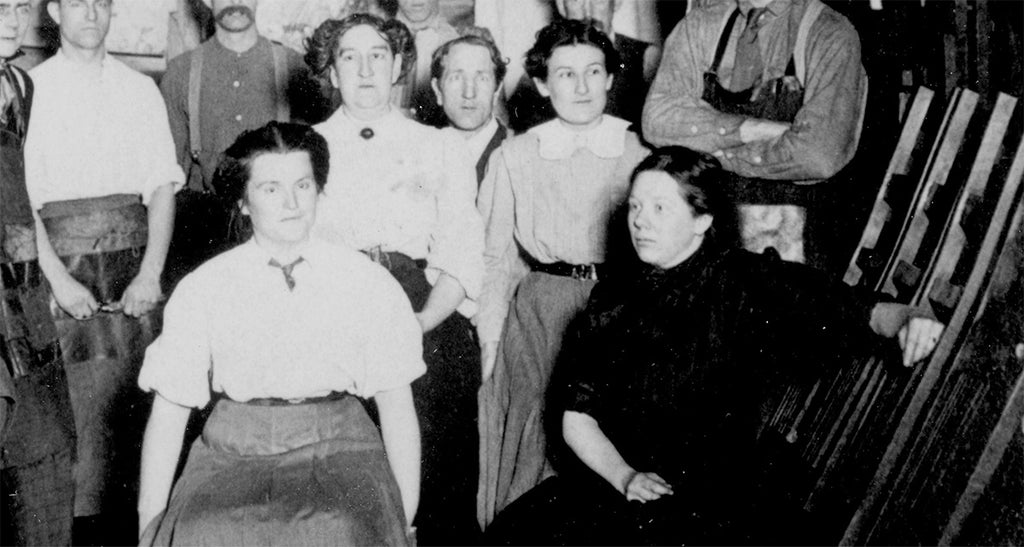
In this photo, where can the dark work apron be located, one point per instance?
(35, 453)
(769, 213)
(101, 242)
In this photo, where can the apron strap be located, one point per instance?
(810, 15)
(281, 82)
(723, 40)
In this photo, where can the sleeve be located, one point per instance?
(457, 242)
(583, 379)
(823, 138)
(395, 344)
(35, 157)
(7, 399)
(674, 113)
(174, 88)
(177, 364)
(809, 318)
(155, 143)
(503, 268)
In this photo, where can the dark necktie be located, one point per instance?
(748, 66)
(287, 271)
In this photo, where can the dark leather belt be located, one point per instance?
(22, 360)
(274, 401)
(393, 260)
(15, 275)
(575, 271)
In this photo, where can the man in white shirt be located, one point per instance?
(465, 73)
(100, 168)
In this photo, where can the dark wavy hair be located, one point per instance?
(698, 175)
(569, 32)
(474, 36)
(322, 46)
(235, 168)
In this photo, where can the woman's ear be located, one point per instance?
(702, 223)
(542, 87)
(396, 69)
(335, 81)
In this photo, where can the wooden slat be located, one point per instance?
(881, 212)
(987, 464)
(861, 525)
(919, 222)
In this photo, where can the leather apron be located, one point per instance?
(101, 241)
(770, 213)
(35, 455)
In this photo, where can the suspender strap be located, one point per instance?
(723, 40)
(195, 77)
(811, 14)
(281, 81)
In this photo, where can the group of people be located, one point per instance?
(385, 318)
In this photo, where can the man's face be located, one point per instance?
(417, 11)
(83, 23)
(13, 24)
(467, 87)
(234, 15)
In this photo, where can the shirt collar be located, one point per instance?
(78, 70)
(774, 8)
(351, 128)
(433, 22)
(479, 141)
(606, 140)
(311, 253)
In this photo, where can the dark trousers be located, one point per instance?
(446, 404)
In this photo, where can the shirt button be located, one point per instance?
(238, 118)
(693, 129)
(236, 83)
(729, 155)
(722, 131)
(757, 159)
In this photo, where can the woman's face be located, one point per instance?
(577, 84)
(662, 225)
(280, 199)
(364, 71)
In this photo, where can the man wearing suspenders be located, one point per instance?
(235, 81)
(776, 90)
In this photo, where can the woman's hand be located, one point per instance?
(918, 338)
(645, 487)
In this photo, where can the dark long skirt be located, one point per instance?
(513, 449)
(304, 474)
(446, 404)
(101, 242)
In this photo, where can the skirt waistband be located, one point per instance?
(97, 225)
(256, 430)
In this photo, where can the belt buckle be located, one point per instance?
(584, 271)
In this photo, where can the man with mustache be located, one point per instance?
(37, 431)
(235, 81)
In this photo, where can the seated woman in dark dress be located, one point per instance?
(664, 382)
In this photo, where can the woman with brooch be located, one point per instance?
(404, 194)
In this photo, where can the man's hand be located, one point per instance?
(141, 295)
(72, 297)
(755, 130)
(488, 356)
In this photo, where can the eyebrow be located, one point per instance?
(384, 48)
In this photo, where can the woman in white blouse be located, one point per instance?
(285, 333)
(404, 193)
